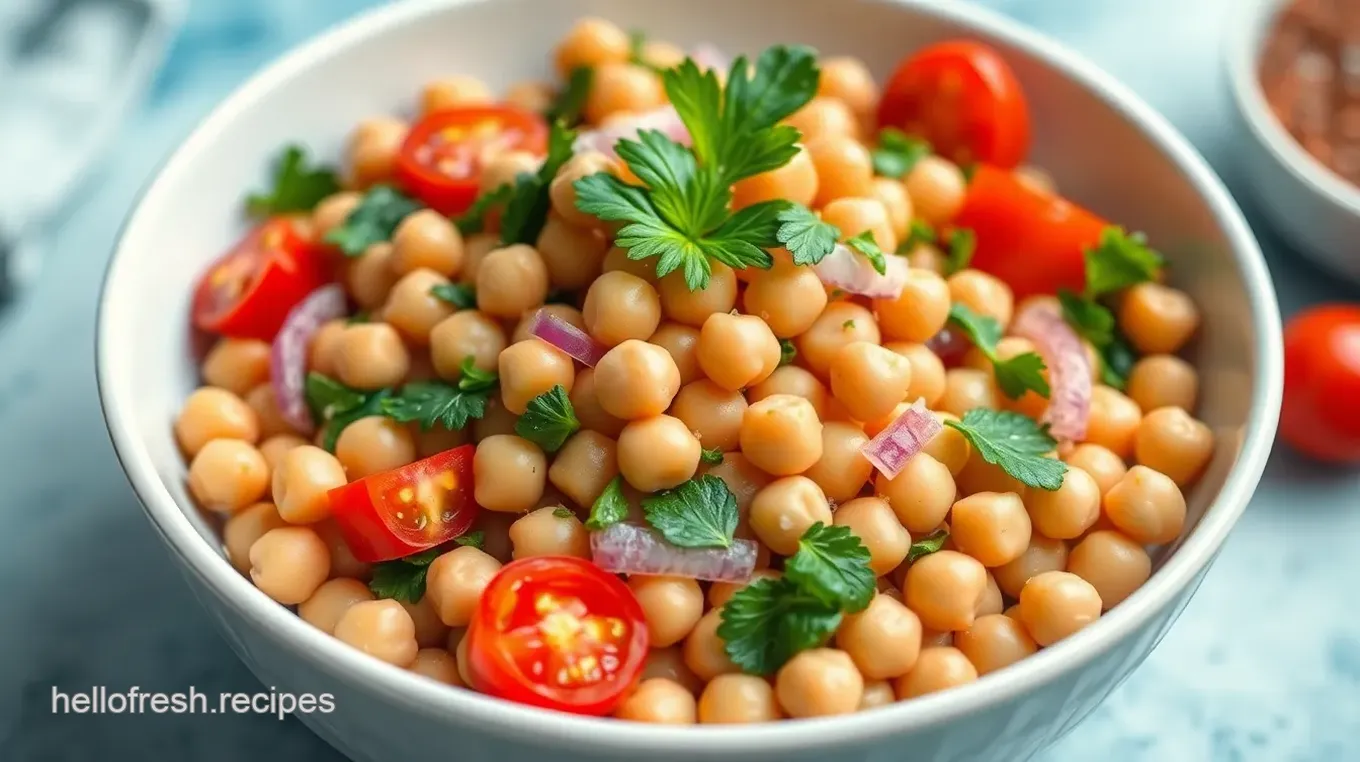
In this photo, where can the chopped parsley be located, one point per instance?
(712, 456)
(373, 221)
(865, 244)
(563, 512)
(1015, 443)
(919, 233)
(805, 235)
(897, 153)
(1119, 261)
(298, 186)
(461, 295)
(526, 211)
(609, 508)
(403, 579)
(962, 245)
(1015, 376)
(431, 403)
(570, 103)
(701, 513)
(335, 406)
(475, 539)
(474, 219)
(548, 420)
(787, 352)
(931, 543)
(832, 564)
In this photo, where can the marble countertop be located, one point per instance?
(1263, 666)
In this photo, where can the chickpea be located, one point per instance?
(841, 323)
(706, 655)
(791, 379)
(927, 372)
(625, 88)
(844, 168)
(549, 531)
(636, 380)
(785, 509)
(459, 91)
(374, 444)
(464, 334)
(373, 149)
(261, 399)
(713, 413)
(1056, 604)
(825, 118)
(325, 347)
(742, 478)
(330, 601)
(455, 582)
(475, 249)
(788, 299)
(619, 306)
(369, 278)
(877, 694)
(819, 682)
(982, 293)
(672, 605)
(693, 307)
(427, 240)
(921, 493)
(1112, 563)
(842, 470)
(497, 420)
(738, 699)
(1070, 510)
(848, 79)
(301, 482)
(661, 701)
(571, 254)
(781, 435)
(1157, 319)
(919, 312)
(531, 95)
(1147, 506)
(884, 640)
(617, 260)
(937, 188)
(877, 527)
(994, 641)
(562, 190)
(227, 475)
(237, 365)
(511, 280)
(510, 473)
(430, 632)
(332, 212)
(893, 196)
(1163, 381)
(657, 453)
(719, 593)
(589, 411)
(795, 181)
(1171, 441)
(506, 167)
(437, 664)
(343, 562)
(382, 629)
(1100, 463)
(274, 448)
(944, 589)
(869, 380)
(530, 368)
(737, 351)
(584, 466)
(1042, 555)
(949, 446)
(980, 476)
(211, 413)
(669, 664)
(289, 563)
(590, 43)
(968, 389)
(371, 356)
(246, 526)
(938, 668)
(856, 215)
(992, 527)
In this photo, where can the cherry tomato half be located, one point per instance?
(1034, 241)
(248, 293)
(441, 160)
(557, 632)
(409, 509)
(1321, 412)
(962, 97)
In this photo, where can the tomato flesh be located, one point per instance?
(441, 160)
(409, 509)
(1320, 417)
(557, 632)
(249, 292)
(1034, 241)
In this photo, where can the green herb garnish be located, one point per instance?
(609, 508)
(832, 564)
(548, 420)
(712, 456)
(298, 187)
(931, 543)
(1119, 261)
(962, 244)
(451, 406)
(787, 352)
(701, 513)
(1014, 443)
(335, 406)
(526, 211)
(473, 220)
(403, 579)
(373, 221)
(1015, 376)
(571, 102)
(461, 295)
(897, 153)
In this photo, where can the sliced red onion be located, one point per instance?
(849, 271)
(566, 337)
(1069, 369)
(664, 119)
(625, 548)
(902, 439)
(288, 356)
(707, 56)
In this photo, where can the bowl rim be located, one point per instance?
(1240, 54)
(505, 719)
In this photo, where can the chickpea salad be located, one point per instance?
(694, 390)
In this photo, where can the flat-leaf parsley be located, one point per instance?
(1015, 376)
(373, 221)
(298, 187)
(548, 420)
(1015, 443)
(701, 513)
(832, 564)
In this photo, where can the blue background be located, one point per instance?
(1264, 664)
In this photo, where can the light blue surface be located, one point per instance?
(1263, 666)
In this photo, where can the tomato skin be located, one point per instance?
(364, 509)
(495, 653)
(1320, 416)
(963, 97)
(274, 268)
(453, 194)
(1034, 241)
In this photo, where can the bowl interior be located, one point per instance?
(1104, 148)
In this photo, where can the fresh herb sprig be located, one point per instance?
(609, 508)
(460, 295)
(549, 420)
(373, 221)
(931, 543)
(403, 579)
(1016, 375)
(701, 513)
(335, 406)
(436, 403)
(1015, 443)
(298, 186)
(897, 153)
(526, 211)
(569, 105)
(473, 220)
(1119, 261)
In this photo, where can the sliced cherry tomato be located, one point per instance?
(409, 509)
(1032, 240)
(557, 632)
(962, 97)
(1321, 412)
(248, 293)
(441, 160)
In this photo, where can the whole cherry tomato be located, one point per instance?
(1321, 412)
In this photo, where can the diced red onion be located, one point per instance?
(850, 271)
(707, 56)
(902, 439)
(288, 356)
(566, 337)
(1069, 369)
(625, 548)
(664, 119)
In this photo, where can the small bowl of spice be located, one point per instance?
(1294, 69)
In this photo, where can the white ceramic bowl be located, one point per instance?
(1316, 210)
(1105, 147)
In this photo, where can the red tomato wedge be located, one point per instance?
(409, 509)
(964, 99)
(1320, 417)
(248, 293)
(442, 158)
(557, 632)
(1032, 240)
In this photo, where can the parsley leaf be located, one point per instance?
(475, 539)
(832, 564)
(711, 456)
(335, 406)
(962, 244)
(701, 513)
(865, 244)
(373, 221)
(1015, 443)
(769, 621)
(787, 352)
(1119, 261)
(435, 402)
(919, 233)
(897, 153)
(571, 101)
(609, 508)
(526, 211)
(804, 234)
(548, 420)
(931, 543)
(1015, 376)
(474, 379)
(403, 579)
(563, 512)
(1090, 319)
(474, 219)
(461, 295)
(298, 187)
(1116, 361)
